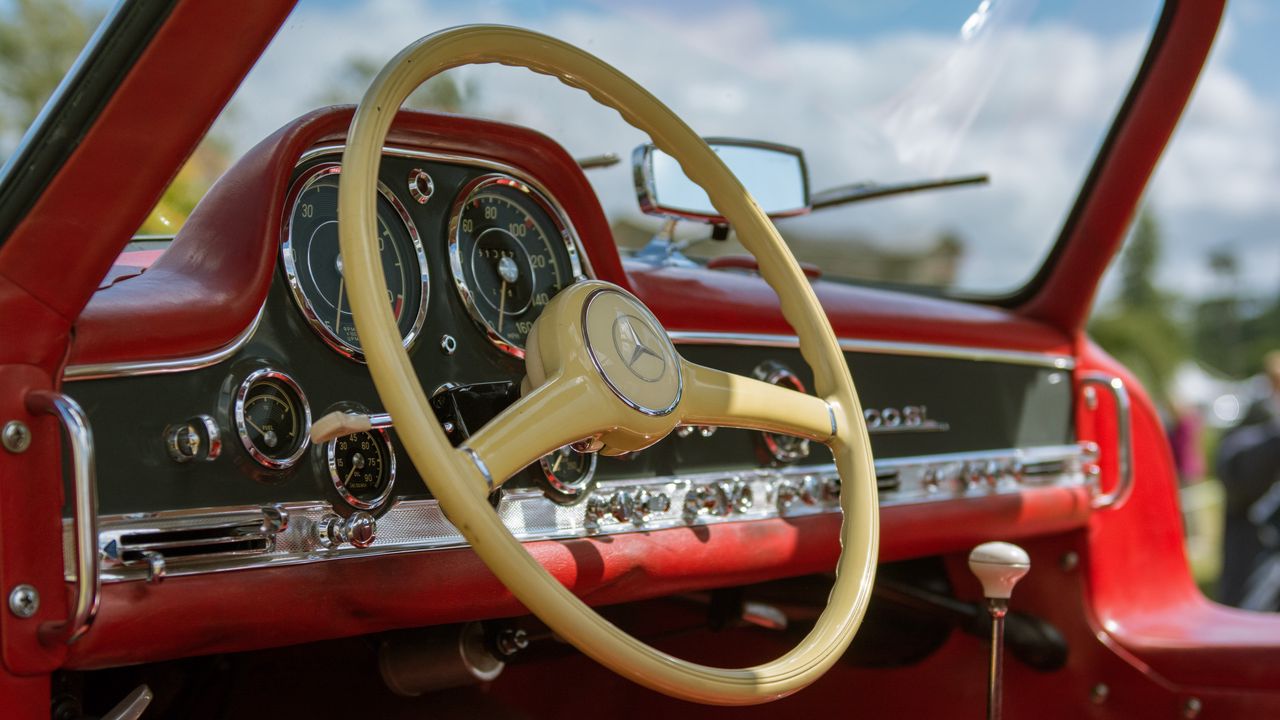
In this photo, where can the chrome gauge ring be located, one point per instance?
(569, 474)
(313, 264)
(510, 250)
(272, 418)
(362, 466)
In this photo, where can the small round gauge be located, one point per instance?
(568, 473)
(511, 251)
(362, 466)
(312, 261)
(272, 418)
(782, 448)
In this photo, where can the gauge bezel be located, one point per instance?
(548, 206)
(310, 177)
(330, 453)
(564, 492)
(242, 429)
(776, 373)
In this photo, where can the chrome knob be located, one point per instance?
(360, 530)
(196, 439)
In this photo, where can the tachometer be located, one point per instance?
(511, 251)
(313, 262)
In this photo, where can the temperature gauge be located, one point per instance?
(272, 418)
(362, 466)
(568, 473)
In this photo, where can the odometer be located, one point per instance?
(511, 252)
(313, 262)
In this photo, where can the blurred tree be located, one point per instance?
(39, 40)
(1139, 328)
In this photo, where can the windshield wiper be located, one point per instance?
(857, 192)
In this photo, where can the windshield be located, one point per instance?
(898, 92)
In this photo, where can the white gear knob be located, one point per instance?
(999, 566)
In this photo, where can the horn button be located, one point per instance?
(632, 352)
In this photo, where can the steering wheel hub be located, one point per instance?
(632, 352)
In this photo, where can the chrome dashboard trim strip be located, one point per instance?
(881, 347)
(615, 506)
(129, 368)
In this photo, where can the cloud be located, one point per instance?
(897, 106)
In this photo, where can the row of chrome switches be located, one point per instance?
(635, 506)
(974, 476)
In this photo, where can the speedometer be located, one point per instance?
(511, 251)
(313, 261)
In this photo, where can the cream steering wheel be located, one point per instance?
(600, 366)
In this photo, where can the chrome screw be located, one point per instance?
(1099, 694)
(1091, 398)
(16, 436)
(448, 344)
(1191, 708)
(24, 601)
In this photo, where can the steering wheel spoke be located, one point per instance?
(714, 397)
(553, 415)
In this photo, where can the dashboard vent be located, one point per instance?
(239, 533)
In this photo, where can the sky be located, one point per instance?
(886, 91)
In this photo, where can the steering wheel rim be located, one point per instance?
(569, 375)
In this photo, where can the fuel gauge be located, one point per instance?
(272, 418)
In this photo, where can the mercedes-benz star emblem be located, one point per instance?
(635, 343)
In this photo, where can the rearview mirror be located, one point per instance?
(775, 175)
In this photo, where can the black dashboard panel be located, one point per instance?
(924, 405)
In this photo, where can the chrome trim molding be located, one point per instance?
(881, 347)
(484, 469)
(617, 506)
(129, 368)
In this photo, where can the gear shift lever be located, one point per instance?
(999, 566)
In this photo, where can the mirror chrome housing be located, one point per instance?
(775, 175)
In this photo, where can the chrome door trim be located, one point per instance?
(129, 368)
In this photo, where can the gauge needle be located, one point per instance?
(254, 425)
(337, 323)
(502, 304)
(350, 472)
(556, 465)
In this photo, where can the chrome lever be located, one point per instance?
(339, 423)
(132, 706)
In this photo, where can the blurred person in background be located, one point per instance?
(1249, 464)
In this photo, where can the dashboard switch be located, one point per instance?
(196, 439)
(360, 530)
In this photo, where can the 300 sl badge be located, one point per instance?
(906, 419)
